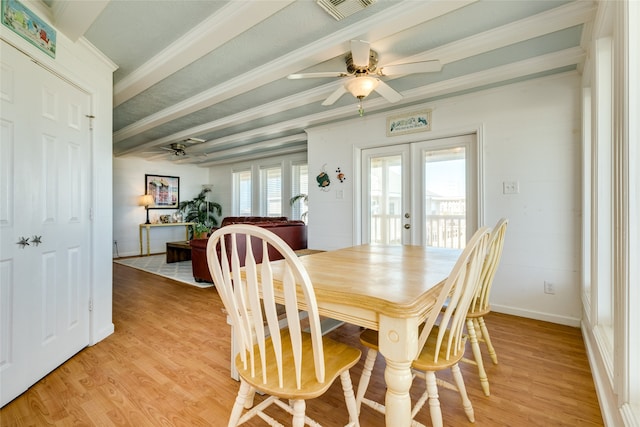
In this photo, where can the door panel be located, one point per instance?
(44, 285)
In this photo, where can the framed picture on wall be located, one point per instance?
(29, 26)
(408, 123)
(164, 189)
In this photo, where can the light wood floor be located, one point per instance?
(167, 365)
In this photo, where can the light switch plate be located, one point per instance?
(510, 187)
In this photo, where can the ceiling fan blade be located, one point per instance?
(411, 68)
(388, 92)
(335, 96)
(194, 140)
(360, 53)
(317, 75)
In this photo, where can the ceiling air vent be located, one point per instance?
(340, 9)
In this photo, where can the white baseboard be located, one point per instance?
(102, 334)
(537, 315)
(607, 399)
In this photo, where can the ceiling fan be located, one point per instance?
(179, 148)
(364, 74)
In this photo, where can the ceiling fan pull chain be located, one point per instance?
(360, 108)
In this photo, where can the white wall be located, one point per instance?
(128, 186)
(529, 132)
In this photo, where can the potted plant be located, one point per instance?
(200, 230)
(201, 212)
(305, 200)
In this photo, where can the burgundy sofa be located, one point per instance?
(293, 232)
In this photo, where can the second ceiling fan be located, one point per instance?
(364, 74)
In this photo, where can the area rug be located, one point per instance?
(157, 264)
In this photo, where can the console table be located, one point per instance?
(170, 224)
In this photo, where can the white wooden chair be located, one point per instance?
(283, 363)
(480, 307)
(441, 346)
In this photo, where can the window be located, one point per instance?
(242, 193)
(299, 186)
(602, 200)
(271, 191)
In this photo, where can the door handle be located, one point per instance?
(407, 226)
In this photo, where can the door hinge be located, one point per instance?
(90, 117)
(90, 304)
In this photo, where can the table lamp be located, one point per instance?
(146, 201)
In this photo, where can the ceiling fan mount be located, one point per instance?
(178, 149)
(370, 68)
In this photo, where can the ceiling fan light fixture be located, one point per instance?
(361, 87)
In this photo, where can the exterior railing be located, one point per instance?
(442, 231)
(446, 231)
(386, 229)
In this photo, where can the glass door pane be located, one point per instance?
(386, 197)
(445, 198)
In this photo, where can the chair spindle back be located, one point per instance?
(251, 300)
(492, 260)
(459, 288)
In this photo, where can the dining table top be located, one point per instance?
(396, 281)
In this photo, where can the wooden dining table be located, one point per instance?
(390, 289)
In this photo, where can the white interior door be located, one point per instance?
(44, 170)
(422, 193)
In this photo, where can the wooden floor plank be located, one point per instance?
(167, 364)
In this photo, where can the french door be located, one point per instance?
(422, 193)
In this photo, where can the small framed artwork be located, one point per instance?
(409, 123)
(164, 189)
(29, 26)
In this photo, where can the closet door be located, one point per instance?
(44, 222)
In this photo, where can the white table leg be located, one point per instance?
(398, 343)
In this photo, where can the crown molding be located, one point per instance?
(572, 14)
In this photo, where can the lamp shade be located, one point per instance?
(361, 87)
(146, 200)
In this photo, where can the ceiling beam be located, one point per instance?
(487, 77)
(382, 24)
(231, 20)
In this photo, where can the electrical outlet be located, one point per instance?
(549, 288)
